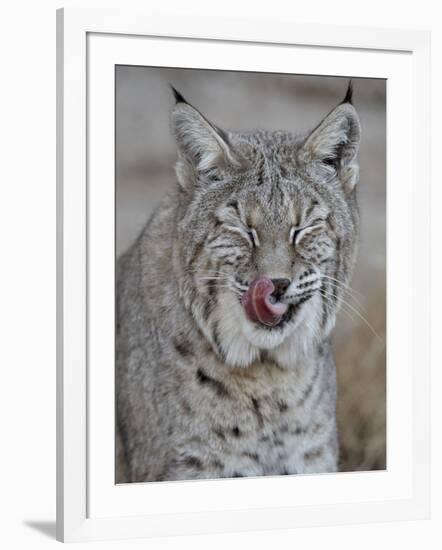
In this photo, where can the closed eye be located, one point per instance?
(247, 233)
(254, 237)
(298, 233)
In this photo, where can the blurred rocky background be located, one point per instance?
(145, 156)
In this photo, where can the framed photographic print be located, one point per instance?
(242, 230)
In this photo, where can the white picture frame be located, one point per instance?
(89, 505)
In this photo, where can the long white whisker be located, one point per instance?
(208, 271)
(215, 278)
(342, 284)
(231, 287)
(329, 305)
(359, 315)
(347, 293)
(227, 279)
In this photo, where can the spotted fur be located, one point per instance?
(202, 392)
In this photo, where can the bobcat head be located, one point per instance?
(266, 233)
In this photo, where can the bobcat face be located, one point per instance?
(266, 238)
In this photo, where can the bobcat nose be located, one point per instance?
(281, 285)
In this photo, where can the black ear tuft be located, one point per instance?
(349, 94)
(176, 94)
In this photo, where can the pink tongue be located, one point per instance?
(257, 305)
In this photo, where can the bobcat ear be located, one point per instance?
(202, 146)
(335, 142)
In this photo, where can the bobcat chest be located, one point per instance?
(259, 422)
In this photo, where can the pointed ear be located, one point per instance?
(203, 148)
(335, 142)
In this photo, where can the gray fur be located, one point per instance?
(202, 392)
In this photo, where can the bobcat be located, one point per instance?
(227, 300)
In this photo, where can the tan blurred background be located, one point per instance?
(145, 156)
